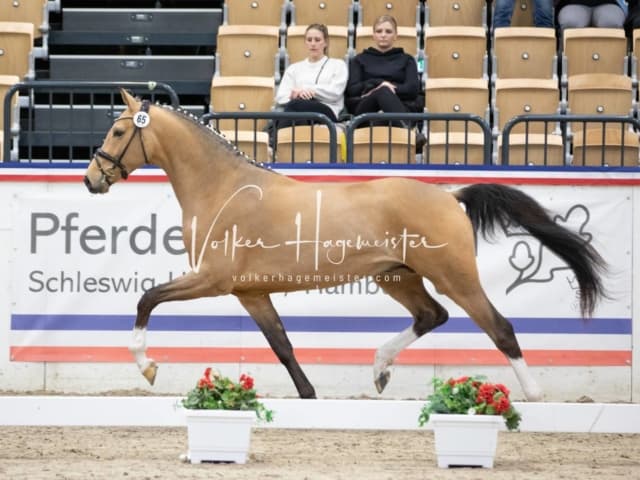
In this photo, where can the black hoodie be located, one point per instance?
(370, 68)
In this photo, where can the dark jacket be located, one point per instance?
(370, 68)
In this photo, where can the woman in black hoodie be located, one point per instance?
(383, 77)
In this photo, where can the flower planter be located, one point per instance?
(466, 440)
(219, 435)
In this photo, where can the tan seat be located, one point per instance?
(2, 146)
(304, 144)
(247, 50)
(455, 141)
(242, 94)
(16, 49)
(441, 13)
(254, 12)
(524, 52)
(534, 143)
(383, 144)
(612, 146)
(296, 50)
(404, 11)
(407, 39)
(594, 50)
(253, 143)
(455, 52)
(31, 11)
(6, 82)
(601, 94)
(456, 95)
(334, 12)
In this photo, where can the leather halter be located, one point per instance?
(117, 161)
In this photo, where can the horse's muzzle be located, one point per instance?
(90, 186)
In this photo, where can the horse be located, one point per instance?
(239, 216)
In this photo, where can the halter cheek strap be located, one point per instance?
(117, 161)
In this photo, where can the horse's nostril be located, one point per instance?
(87, 183)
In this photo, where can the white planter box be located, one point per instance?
(466, 440)
(219, 435)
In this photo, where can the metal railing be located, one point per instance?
(569, 126)
(43, 126)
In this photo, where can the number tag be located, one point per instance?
(141, 119)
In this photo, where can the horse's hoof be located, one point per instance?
(150, 372)
(382, 380)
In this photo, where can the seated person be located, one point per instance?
(383, 78)
(542, 13)
(591, 13)
(315, 84)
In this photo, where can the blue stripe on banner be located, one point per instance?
(233, 323)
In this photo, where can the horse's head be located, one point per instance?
(123, 149)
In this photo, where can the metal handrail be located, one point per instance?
(58, 86)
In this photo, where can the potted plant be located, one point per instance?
(466, 414)
(220, 414)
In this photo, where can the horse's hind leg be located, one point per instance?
(406, 287)
(261, 310)
(475, 302)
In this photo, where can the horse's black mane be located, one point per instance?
(210, 130)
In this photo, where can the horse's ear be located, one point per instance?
(128, 99)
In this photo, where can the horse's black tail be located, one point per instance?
(491, 204)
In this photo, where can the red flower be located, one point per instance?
(503, 389)
(462, 379)
(485, 393)
(502, 405)
(246, 381)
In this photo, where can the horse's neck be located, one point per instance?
(206, 173)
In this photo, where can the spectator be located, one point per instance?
(315, 84)
(383, 78)
(591, 13)
(542, 13)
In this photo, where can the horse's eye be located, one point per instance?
(118, 133)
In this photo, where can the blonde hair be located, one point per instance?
(386, 18)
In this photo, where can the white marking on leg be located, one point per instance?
(139, 347)
(529, 386)
(387, 353)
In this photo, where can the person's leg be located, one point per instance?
(383, 100)
(574, 16)
(502, 13)
(543, 13)
(608, 16)
(300, 105)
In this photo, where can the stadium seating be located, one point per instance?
(242, 94)
(442, 13)
(248, 50)
(16, 49)
(254, 12)
(381, 144)
(536, 143)
(455, 52)
(334, 12)
(524, 52)
(253, 143)
(304, 144)
(406, 12)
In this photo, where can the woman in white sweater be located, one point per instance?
(315, 84)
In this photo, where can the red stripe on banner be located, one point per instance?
(437, 179)
(326, 356)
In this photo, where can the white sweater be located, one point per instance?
(328, 77)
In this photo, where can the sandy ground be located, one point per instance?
(60, 453)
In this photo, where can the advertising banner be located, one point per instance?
(80, 264)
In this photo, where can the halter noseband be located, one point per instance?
(117, 161)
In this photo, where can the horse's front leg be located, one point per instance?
(261, 310)
(186, 287)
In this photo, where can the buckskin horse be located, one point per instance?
(240, 217)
